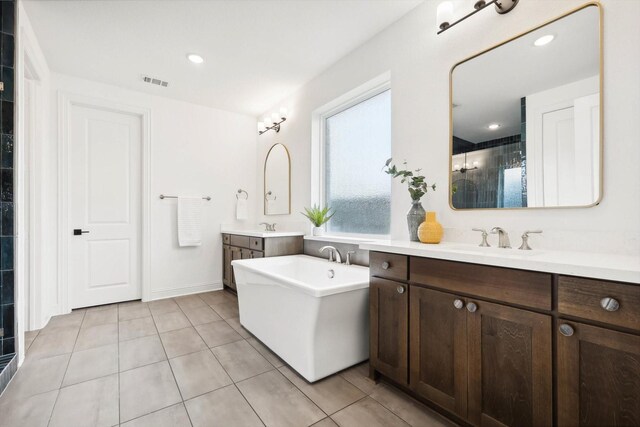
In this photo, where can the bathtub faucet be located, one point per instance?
(332, 252)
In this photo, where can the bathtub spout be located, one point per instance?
(332, 252)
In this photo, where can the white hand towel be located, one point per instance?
(241, 209)
(189, 221)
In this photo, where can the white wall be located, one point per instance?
(420, 61)
(194, 150)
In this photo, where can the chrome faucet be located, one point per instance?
(333, 252)
(268, 227)
(525, 239)
(503, 237)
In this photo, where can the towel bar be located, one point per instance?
(162, 196)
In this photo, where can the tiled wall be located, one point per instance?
(7, 61)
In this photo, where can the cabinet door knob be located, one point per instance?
(472, 307)
(385, 265)
(458, 303)
(400, 289)
(609, 304)
(566, 330)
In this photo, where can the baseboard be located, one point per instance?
(184, 290)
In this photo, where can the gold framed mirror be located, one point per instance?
(526, 118)
(277, 181)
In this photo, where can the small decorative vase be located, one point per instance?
(317, 231)
(415, 216)
(430, 231)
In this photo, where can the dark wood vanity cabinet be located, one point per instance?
(477, 341)
(247, 247)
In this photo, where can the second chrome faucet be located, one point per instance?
(503, 238)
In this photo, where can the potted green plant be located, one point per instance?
(418, 187)
(318, 217)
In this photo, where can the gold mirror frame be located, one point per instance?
(601, 82)
(264, 191)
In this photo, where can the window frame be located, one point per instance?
(356, 96)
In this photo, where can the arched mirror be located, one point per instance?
(277, 181)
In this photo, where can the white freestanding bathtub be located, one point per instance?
(312, 313)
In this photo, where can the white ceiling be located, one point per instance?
(256, 51)
(487, 89)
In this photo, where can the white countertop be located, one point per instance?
(623, 268)
(260, 233)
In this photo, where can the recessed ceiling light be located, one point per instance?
(195, 58)
(493, 126)
(544, 40)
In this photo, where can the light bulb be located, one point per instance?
(195, 58)
(283, 113)
(493, 126)
(456, 167)
(261, 127)
(274, 118)
(544, 40)
(444, 14)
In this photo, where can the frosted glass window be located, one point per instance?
(512, 193)
(357, 144)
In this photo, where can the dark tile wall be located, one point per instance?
(7, 54)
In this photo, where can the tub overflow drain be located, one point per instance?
(331, 273)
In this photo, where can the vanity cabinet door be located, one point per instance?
(245, 253)
(438, 346)
(226, 264)
(236, 253)
(510, 366)
(598, 373)
(389, 328)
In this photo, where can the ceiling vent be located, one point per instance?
(155, 81)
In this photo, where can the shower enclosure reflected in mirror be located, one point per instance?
(526, 119)
(277, 181)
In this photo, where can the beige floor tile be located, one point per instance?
(92, 403)
(327, 422)
(90, 364)
(29, 336)
(367, 412)
(234, 322)
(163, 306)
(49, 345)
(96, 336)
(136, 328)
(182, 341)
(100, 307)
(133, 310)
(140, 352)
(147, 389)
(33, 411)
(222, 408)
(330, 394)
(277, 402)
(189, 301)
(201, 315)
(36, 376)
(240, 360)
(410, 410)
(173, 416)
(217, 333)
(199, 373)
(171, 321)
(268, 354)
(57, 323)
(226, 310)
(101, 317)
(359, 376)
(216, 297)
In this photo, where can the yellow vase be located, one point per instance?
(430, 231)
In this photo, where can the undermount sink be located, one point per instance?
(492, 250)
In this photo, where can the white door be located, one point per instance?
(104, 206)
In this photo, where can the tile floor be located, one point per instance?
(184, 362)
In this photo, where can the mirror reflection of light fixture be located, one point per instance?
(465, 166)
(445, 11)
(272, 122)
(493, 126)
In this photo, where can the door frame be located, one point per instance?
(66, 101)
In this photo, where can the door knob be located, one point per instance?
(385, 265)
(400, 289)
(566, 330)
(472, 307)
(609, 304)
(458, 303)
(79, 231)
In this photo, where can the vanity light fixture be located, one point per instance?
(273, 122)
(444, 12)
(195, 58)
(544, 40)
(494, 126)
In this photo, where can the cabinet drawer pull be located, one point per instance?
(566, 330)
(458, 303)
(400, 289)
(609, 304)
(472, 307)
(385, 265)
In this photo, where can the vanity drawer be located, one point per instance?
(389, 266)
(256, 244)
(226, 239)
(240, 241)
(584, 298)
(520, 287)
